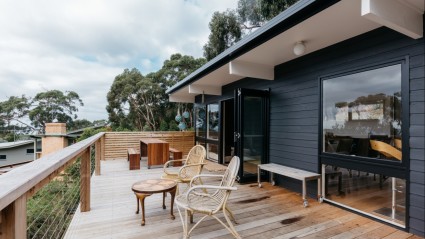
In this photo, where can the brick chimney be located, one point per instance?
(54, 138)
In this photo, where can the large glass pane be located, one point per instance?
(213, 120)
(253, 137)
(212, 152)
(362, 114)
(200, 116)
(378, 195)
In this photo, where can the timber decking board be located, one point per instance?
(259, 212)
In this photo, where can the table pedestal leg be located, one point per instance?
(141, 197)
(173, 195)
(164, 194)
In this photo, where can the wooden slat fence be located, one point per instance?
(117, 143)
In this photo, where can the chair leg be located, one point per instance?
(231, 215)
(184, 225)
(231, 228)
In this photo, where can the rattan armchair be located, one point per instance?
(195, 200)
(192, 166)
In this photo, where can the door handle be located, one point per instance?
(236, 136)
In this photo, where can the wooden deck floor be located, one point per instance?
(268, 212)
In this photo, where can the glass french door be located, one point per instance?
(251, 131)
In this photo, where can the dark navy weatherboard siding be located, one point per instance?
(295, 106)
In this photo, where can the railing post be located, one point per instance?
(14, 219)
(102, 147)
(97, 147)
(85, 181)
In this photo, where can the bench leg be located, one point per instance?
(319, 190)
(259, 177)
(305, 201)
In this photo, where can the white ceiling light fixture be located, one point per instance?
(299, 48)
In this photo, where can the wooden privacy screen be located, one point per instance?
(117, 143)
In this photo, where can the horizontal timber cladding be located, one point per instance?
(295, 105)
(117, 143)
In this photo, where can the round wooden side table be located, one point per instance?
(145, 188)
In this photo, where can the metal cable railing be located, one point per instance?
(51, 209)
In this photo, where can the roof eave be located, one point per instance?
(288, 18)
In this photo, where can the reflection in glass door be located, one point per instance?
(251, 124)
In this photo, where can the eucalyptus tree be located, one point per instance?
(253, 14)
(228, 27)
(225, 31)
(139, 102)
(54, 105)
(14, 108)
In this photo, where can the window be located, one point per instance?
(200, 116)
(213, 121)
(375, 195)
(207, 128)
(30, 151)
(2, 157)
(362, 114)
(361, 142)
(212, 152)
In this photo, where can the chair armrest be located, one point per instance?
(205, 176)
(188, 166)
(166, 165)
(199, 187)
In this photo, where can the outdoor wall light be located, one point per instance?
(299, 48)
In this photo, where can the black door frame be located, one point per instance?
(239, 126)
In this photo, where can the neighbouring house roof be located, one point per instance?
(9, 145)
(318, 23)
(78, 132)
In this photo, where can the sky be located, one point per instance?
(81, 45)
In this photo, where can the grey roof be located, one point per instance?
(8, 145)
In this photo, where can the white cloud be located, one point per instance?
(82, 45)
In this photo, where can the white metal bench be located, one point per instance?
(292, 173)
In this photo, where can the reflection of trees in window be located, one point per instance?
(372, 114)
(200, 120)
(213, 121)
(359, 107)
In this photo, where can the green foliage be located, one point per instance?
(13, 108)
(173, 126)
(9, 137)
(136, 101)
(225, 31)
(87, 133)
(51, 209)
(147, 128)
(54, 105)
(271, 8)
(226, 28)
(163, 126)
(79, 124)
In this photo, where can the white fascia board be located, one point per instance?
(182, 98)
(205, 89)
(250, 69)
(395, 15)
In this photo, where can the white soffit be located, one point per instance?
(337, 23)
(205, 89)
(182, 96)
(249, 69)
(401, 16)
(419, 5)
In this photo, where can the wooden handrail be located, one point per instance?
(21, 180)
